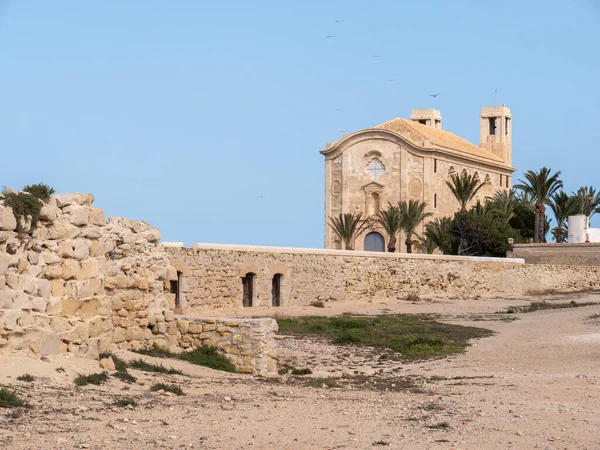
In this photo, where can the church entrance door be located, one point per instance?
(374, 242)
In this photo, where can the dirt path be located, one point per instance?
(534, 384)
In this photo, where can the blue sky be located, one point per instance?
(183, 113)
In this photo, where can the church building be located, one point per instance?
(406, 159)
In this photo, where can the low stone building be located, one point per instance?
(406, 159)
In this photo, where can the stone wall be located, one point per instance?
(81, 284)
(564, 254)
(214, 276)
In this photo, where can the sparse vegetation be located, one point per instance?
(201, 356)
(140, 364)
(26, 377)
(317, 303)
(413, 337)
(27, 203)
(286, 368)
(124, 402)
(380, 443)
(9, 399)
(412, 297)
(328, 382)
(439, 426)
(174, 389)
(540, 306)
(95, 378)
(60, 369)
(209, 357)
(125, 376)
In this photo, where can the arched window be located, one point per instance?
(375, 168)
(374, 242)
(451, 171)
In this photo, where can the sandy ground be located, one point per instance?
(534, 384)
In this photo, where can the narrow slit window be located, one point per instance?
(435, 166)
(435, 200)
(492, 126)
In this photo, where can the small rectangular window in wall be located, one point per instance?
(507, 181)
(500, 179)
(435, 200)
(492, 126)
(435, 166)
(506, 125)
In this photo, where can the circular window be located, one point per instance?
(375, 169)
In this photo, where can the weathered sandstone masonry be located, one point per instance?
(579, 254)
(81, 284)
(218, 276)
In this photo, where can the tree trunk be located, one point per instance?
(408, 243)
(536, 224)
(348, 245)
(542, 225)
(392, 244)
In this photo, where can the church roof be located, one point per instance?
(418, 133)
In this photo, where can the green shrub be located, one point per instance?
(167, 388)
(345, 339)
(209, 357)
(124, 402)
(40, 191)
(125, 376)
(26, 377)
(23, 205)
(9, 399)
(140, 364)
(95, 378)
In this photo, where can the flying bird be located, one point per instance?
(260, 196)
(330, 36)
(434, 95)
(376, 56)
(339, 109)
(339, 21)
(391, 80)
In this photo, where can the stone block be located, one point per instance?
(50, 258)
(57, 288)
(195, 328)
(81, 250)
(49, 211)
(183, 325)
(99, 326)
(5, 261)
(107, 364)
(97, 249)
(90, 268)
(80, 215)
(65, 248)
(62, 230)
(54, 307)
(33, 257)
(89, 308)
(8, 222)
(119, 335)
(22, 265)
(169, 315)
(96, 216)
(43, 288)
(70, 269)
(69, 307)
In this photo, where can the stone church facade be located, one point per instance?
(405, 159)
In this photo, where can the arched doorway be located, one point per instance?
(374, 242)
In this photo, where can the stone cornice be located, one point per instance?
(430, 149)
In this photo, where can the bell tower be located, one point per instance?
(495, 131)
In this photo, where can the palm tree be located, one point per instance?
(439, 233)
(348, 227)
(464, 187)
(589, 200)
(390, 221)
(541, 186)
(563, 206)
(481, 209)
(503, 204)
(413, 213)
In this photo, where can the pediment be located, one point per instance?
(373, 187)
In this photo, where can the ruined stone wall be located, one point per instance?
(216, 271)
(81, 284)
